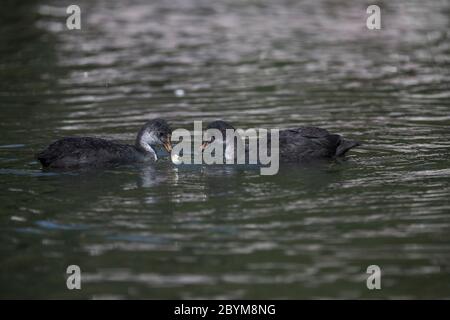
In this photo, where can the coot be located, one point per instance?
(301, 145)
(87, 151)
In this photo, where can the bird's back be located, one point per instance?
(85, 151)
(306, 144)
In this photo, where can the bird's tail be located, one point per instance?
(344, 146)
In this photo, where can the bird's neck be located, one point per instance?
(145, 144)
(146, 149)
(231, 148)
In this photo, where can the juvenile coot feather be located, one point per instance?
(304, 144)
(87, 151)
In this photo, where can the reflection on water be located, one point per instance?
(192, 231)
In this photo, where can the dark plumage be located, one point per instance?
(302, 145)
(87, 151)
(220, 125)
(308, 144)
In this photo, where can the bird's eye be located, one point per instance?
(161, 134)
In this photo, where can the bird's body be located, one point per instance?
(75, 152)
(308, 144)
(298, 145)
(87, 151)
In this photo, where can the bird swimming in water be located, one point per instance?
(74, 152)
(299, 145)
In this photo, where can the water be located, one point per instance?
(193, 232)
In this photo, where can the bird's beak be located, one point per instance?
(203, 146)
(168, 145)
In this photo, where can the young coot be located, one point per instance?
(301, 145)
(87, 151)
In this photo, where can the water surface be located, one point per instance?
(194, 232)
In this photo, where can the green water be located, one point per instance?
(164, 231)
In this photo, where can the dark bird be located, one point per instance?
(301, 145)
(73, 152)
